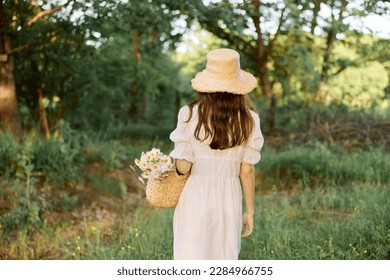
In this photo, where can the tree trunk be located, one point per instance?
(330, 41)
(9, 111)
(262, 56)
(267, 91)
(145, 96)
(134, 100)
(321, 94)
(42, 114)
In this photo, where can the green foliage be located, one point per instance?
(104, 98)
(48, 54)
(113, 155)
(26, 207)
(139, 131)
(58, 159)
(363, 86)
(296, 67)
(21, 217)
(192, 56)
(9, 149)
(86, 60)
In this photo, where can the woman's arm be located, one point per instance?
(247, 177)
(183, 166)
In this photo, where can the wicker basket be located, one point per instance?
(165, 192)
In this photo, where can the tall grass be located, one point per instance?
(332, 223)
(348, 222)
(147, 235)
(314, 165)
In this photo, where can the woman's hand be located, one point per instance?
(247, 223)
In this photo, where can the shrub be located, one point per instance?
(9, 151)
(25, 206)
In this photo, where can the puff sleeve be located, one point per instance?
(252, 150)
(182, 138)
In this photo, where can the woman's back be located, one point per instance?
(209, 211)
(211, 162)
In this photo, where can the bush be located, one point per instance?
(56, 159)
(25, 207)
(9, 151)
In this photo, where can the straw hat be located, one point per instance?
(223, 74)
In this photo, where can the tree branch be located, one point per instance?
(316, 9)
(44, 13)
(18, 49)
(256, 21)
(278, 31)
(384, 57)
(331, 40)
(225, 35)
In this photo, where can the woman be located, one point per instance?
(218, 140)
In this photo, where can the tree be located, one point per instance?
(150, 34)
(9, 114)
(335, 25)
(15, 19)
(130, 66)
(47, 36)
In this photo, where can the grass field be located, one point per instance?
(348, 222)
(312, 203)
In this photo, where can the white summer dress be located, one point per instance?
(207, 222)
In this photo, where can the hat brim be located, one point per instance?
(244, 83)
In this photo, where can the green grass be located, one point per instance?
(348, 222)
(147, 237)
(312, 203)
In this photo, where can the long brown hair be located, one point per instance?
(225, 117)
